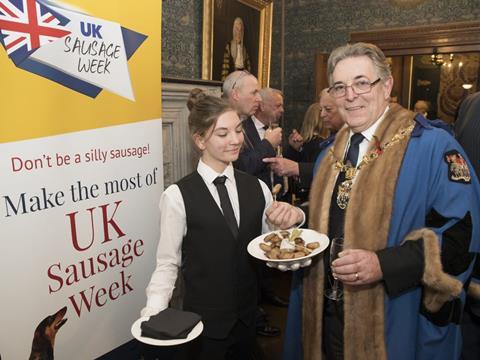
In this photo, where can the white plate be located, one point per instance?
(137, 334)
(307, 235)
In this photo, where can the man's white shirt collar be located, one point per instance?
(368, 133)
(258, 124)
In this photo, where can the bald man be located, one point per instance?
(421, 107)
(258, 109)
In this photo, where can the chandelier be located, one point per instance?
(441, 59)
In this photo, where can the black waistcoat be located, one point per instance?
(219, 274)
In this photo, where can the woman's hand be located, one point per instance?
(295, 140)
(284, 215)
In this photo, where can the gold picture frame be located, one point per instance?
(257, 13)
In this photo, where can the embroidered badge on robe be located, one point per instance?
(457, 167)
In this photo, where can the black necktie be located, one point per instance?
(226, 205)
(352, 153)
(265, 127)
(337, 215)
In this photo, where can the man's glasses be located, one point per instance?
(242, 74)
(361, 86)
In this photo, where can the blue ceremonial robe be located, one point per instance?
(424, 184)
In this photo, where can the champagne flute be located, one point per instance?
(335, 292)
(272, 126)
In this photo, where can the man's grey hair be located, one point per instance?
(266, 93)
(371, 51)
(234, 79)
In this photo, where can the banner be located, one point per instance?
(81, 165)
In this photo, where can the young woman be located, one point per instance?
(197, 238)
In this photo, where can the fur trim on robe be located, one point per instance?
(439, 286)
(367, 221)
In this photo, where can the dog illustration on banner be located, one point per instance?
(44, 338)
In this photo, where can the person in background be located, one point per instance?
(467, 132)
(206, 221)
(264, 135)
(333, 122)
(399, 195)
(241, 90)
(304, 146)
(330, 115)
(235, 55)
(421, 107)
(257, 128)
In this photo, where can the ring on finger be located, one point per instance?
(357, 277)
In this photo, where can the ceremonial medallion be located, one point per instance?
(344, 189)
(343, 194)
(350, 172)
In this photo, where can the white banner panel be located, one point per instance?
(79, 229)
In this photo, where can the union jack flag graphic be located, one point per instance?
(26, 25)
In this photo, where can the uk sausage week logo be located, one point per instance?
(79, 51)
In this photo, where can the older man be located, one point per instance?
(304, 170)
(467, 131)
(400, 194)
(330, 115)
(263, 128)
(258, 109)
(241, 90)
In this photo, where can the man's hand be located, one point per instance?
(295, 140)
(283, 215)
(283, 167)
(274, 136)
(357, 267)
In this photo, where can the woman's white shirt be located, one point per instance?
(173, 227)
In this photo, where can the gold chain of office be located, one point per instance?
(344, 189)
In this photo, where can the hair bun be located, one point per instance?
(195, 96)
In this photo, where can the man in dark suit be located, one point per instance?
(264, 136)
(467, 131)
(259, 110)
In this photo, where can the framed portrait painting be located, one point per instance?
(237, 35)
